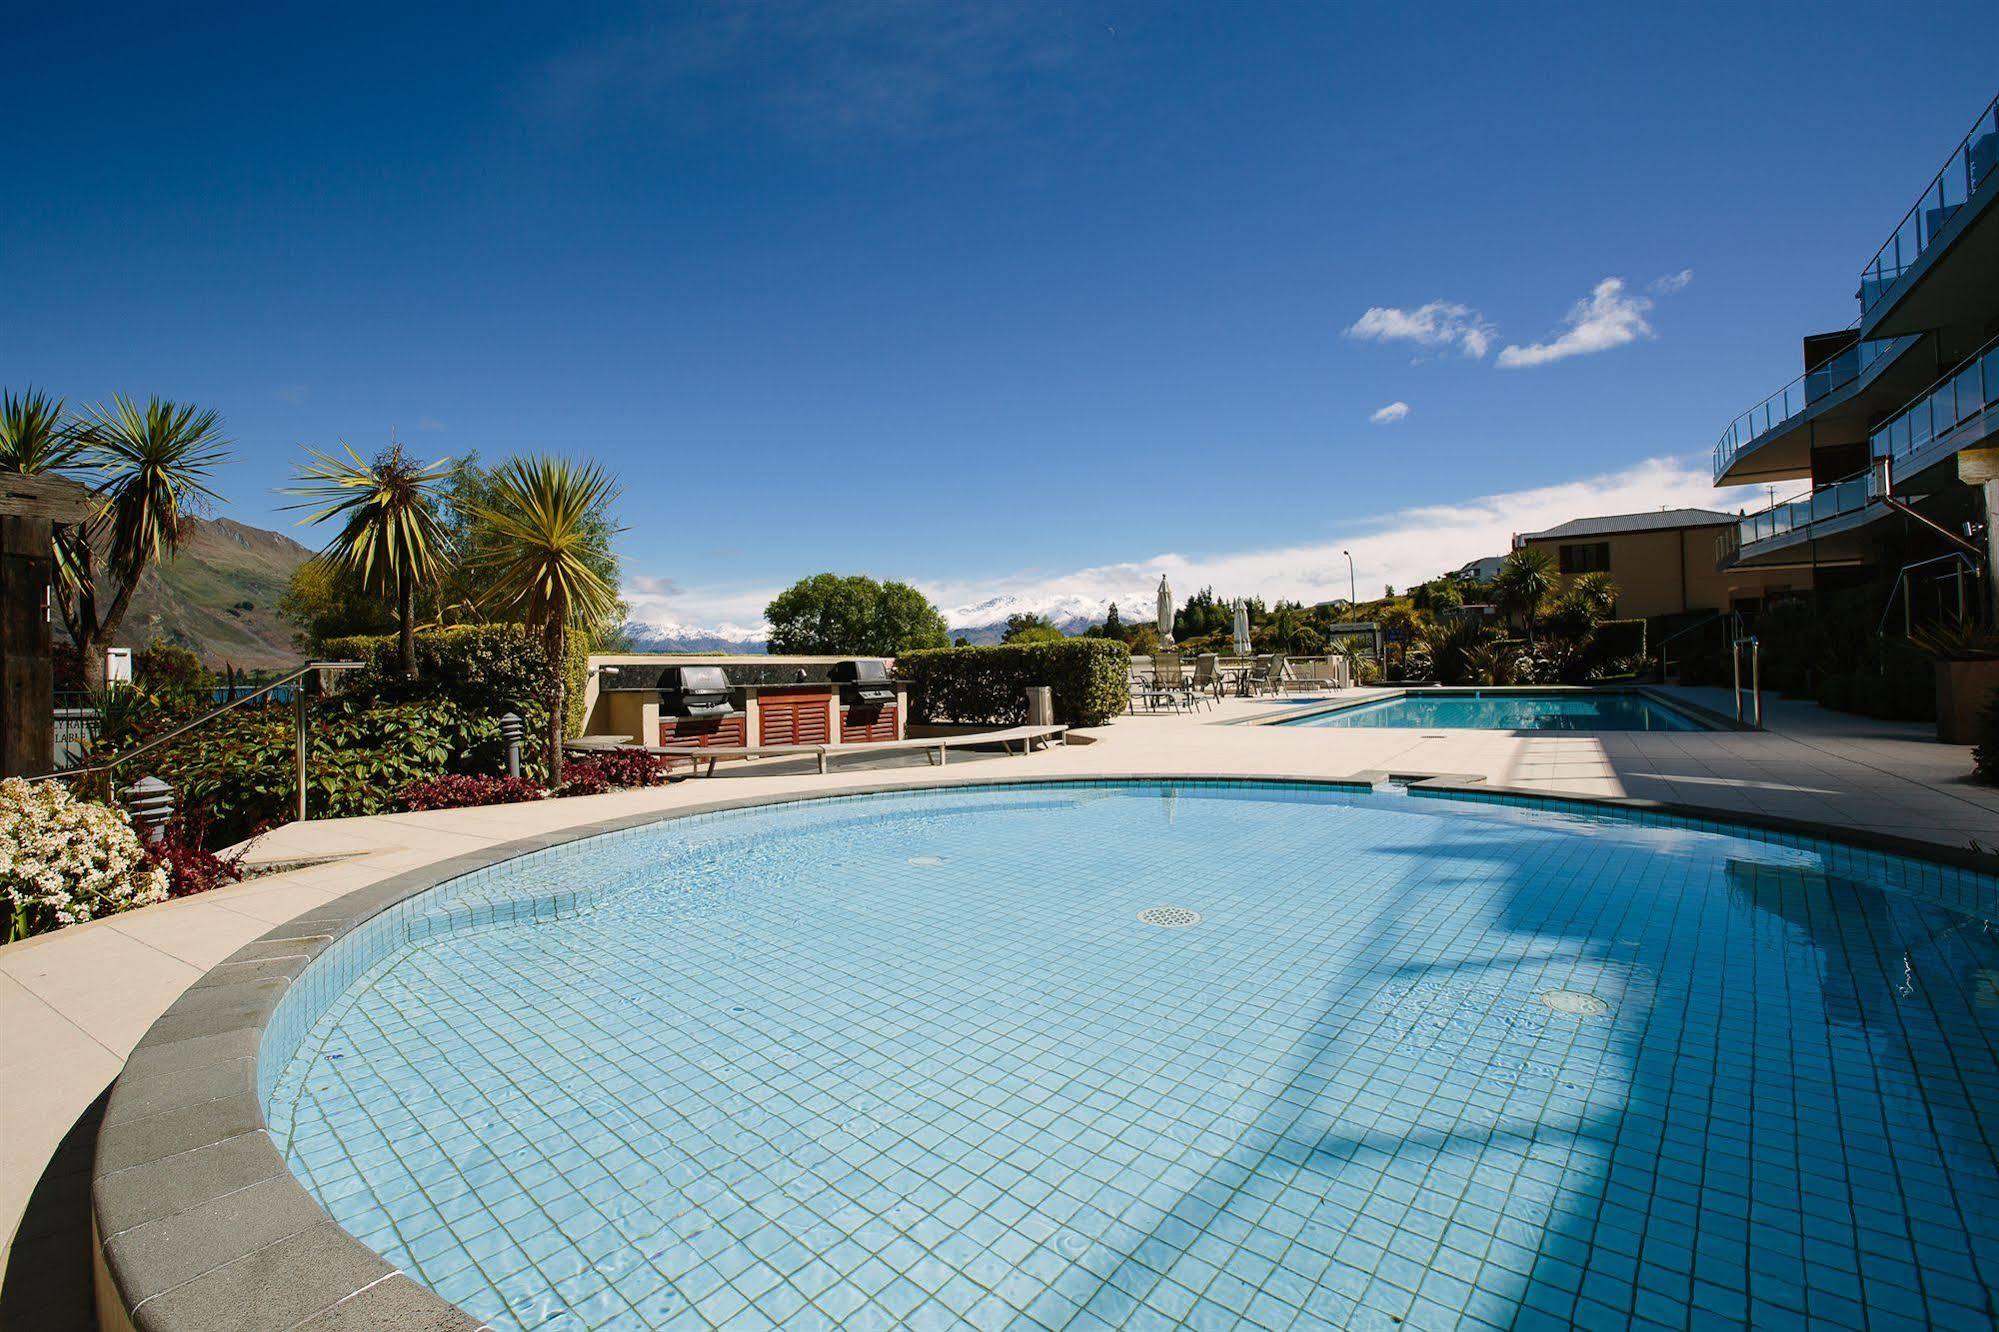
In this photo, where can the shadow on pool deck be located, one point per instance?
(48, 1282)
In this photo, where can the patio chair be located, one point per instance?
(1168, 678)
(1146, 692)
(1208, 675)
(1272, 679)
(1304, 683)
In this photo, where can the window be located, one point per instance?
(1591, 557)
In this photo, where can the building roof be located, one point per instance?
(1616, 524)
(1481, 570)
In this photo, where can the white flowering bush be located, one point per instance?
(64, 860)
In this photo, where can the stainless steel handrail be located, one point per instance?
(299, 734)
(1965, 564)
(1755, 718)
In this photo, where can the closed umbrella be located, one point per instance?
(1241, 629)
(1165, 611)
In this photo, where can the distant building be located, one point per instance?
(1480, 570)
(1662, 562)
(1871, 446)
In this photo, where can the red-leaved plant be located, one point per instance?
(616, 770)
(461, 791)
(183, 852)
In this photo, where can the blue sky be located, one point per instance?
(1026, 298)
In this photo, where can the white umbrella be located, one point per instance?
(1165, 611)
(1241, 629)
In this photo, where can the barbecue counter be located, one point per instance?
(745, 700)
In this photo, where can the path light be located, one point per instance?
(512, 732)
(150, 801)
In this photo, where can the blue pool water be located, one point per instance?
(914, 1061)
(1510, 710)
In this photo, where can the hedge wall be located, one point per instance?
(1618, 638)
(487, 669)
(988, 685)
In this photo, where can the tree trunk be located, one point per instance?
(406, 611)
(555, 638)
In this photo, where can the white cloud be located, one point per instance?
(429, 423)
(1399, 548)
(1437, 324)
(1611, 317)
(1390, 414)
(1672, 282)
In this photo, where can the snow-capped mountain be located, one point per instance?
(985, 621)
(666, 636)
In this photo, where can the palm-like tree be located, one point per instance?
(390, 533)
(542, 523)
(36, 437)
(151, 466)
(1526, 576)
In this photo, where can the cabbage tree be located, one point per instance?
(542, 532)
(390, 533)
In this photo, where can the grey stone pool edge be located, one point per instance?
(199, 1225)
(1299, 712)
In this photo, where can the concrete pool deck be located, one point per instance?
(75, 1003)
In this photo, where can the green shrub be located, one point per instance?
(485, 669)
(1618, 638)
(239, 773)
(988, 685)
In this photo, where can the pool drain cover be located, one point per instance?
(1574, 1002)
(1169, 917)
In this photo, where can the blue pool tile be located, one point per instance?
(753, 1069)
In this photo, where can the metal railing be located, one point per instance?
(1970, 165)
(1755, 717)
(1731, 619)
(1831, 501)
(1904, 590)
(301, 738)
(1842, 368)
(1950, 411)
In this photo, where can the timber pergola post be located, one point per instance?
(31, 508)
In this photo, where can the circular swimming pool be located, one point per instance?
(1152, 1055)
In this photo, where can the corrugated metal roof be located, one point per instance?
(1618, 523)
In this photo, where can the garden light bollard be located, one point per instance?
(151, 803)
(512, 731)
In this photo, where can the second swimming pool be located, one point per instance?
(1510, 710)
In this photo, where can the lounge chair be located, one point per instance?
(1208, 675)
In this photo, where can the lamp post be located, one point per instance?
(511, 732)
(1353, 593)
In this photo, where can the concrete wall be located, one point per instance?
(1671, 571)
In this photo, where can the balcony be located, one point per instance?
(1956, 205)
(1764, 441)
(1958, 411)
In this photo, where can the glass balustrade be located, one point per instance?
(1842, 497)
(1970, 165)
(1954, 410)
(1827, 377)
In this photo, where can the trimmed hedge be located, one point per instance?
(988, 685)
(1618, 638)
(486, 670)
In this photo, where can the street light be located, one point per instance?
(1353, 596)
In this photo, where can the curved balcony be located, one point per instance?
(1959, 410)
(1833, 382)
(1938, 220)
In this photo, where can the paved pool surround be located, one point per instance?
(200, 1225)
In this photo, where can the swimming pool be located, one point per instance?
(1510, 710)
(919, 1060)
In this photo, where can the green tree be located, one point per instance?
(1113, 624)
(1526, 578)
(1029, 627)
(468, 494)
(853, 615)
(539, 525)
(147, 468)
(390, 532)
(325, 601)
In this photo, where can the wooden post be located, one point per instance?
(31, 507)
